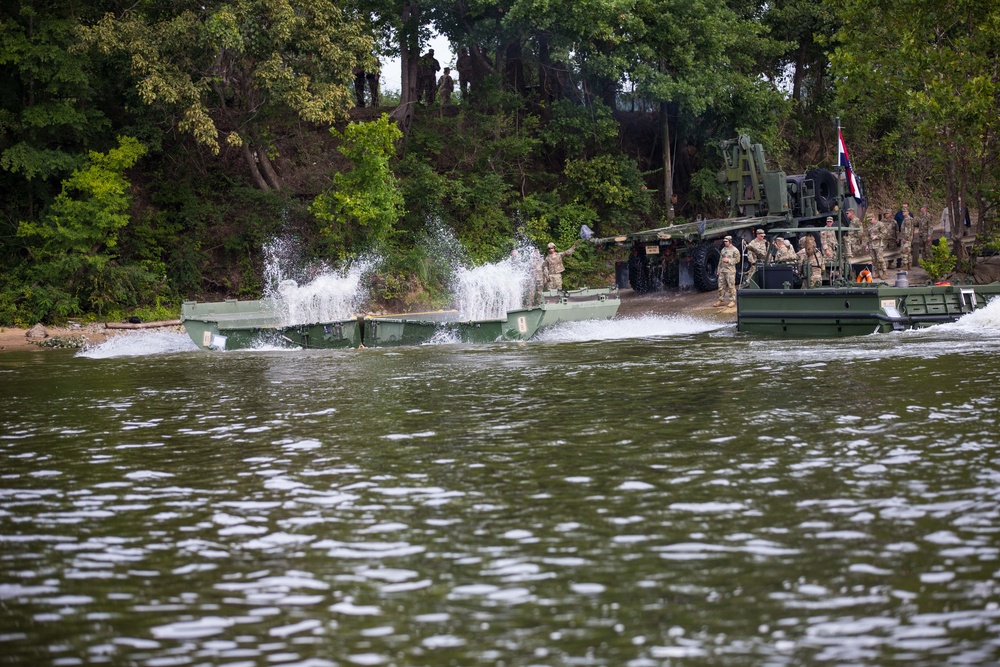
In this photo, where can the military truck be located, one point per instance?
(687, 254)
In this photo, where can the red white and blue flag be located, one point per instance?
(845, 162)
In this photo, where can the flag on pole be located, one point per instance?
(845, 162)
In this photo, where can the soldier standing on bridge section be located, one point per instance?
(756, 252)
(554, 266)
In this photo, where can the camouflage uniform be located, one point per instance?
(446, 86)
(924, 222)
(828, 239)
(554, 267)
(727, 274)
(427, 69)
(855, 242)
(783, 252)
(906, 241)
(537, 278)
(812, 263)
(756, 252)
(877, 234)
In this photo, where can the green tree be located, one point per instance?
(362, 208)
(73, 246)
(230, 69)
(48, 115)
(937, 64)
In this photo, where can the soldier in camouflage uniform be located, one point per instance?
(906, 241)
(756, 252)
(537, 277)
(855, 243)
(729, 258)
(812, 261)
(924, 223)
(783, 251)
(877, 234)
(831, 249)
(554, 266)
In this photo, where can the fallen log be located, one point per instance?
(143, 325)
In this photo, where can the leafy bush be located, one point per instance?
(941, 262)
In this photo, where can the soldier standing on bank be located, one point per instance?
(554, 266)
(729, 258)
(906, 242)
(446, 86)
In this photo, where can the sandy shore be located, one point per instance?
(696, 304)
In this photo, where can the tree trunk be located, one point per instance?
(269, 173)
(254, 171)
(668, 171)
(409, 54)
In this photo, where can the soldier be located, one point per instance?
(729, 258)
(877, 233)
(554, 266)
(924, 223)
(537, 277)
(756, 252)
(828, 238)
(783, 251)
(446, 86)
(372, 79)
(427, 69)
(906, 242)
(359, 86)
(855, 242)
(464, 67)
(812, 261)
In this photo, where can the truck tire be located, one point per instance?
(638, 277)
(705, 267)
(825, 183)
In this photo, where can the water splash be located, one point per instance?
(491, 290)
(140, 344)
(985, 321)
(331, 296)
(641, 327)
(325, 295)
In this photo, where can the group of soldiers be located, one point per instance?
(430, 87)
(874, 235)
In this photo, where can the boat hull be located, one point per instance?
(234, 325)
(578, 305)
(855, 311)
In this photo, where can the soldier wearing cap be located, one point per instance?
(728, 259)
(756, 252)
(554, 266)
(783, 251)
(828, 239)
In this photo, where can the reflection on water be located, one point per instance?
(651, 492)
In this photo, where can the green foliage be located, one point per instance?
(578, 131)
(706, 191)
(73, 246)
(941, 261)
(611, 184)
(361, 210)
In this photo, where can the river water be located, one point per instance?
(652, 491)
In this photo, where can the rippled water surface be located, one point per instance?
(657, 491)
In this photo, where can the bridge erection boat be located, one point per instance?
(234, 325)
(850, 309)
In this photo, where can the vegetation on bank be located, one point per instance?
(148, 152)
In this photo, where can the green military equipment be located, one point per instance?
(688, 254)
(236, 325)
